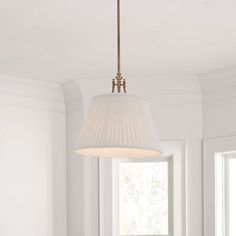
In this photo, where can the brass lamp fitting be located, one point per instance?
(119, 83)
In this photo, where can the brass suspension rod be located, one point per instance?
(118, 37)
(118, 82)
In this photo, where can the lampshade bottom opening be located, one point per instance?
(118, 152)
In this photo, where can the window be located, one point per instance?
(129, 188)
(225, 193)
(145, 197)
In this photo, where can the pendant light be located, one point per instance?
(118, 124)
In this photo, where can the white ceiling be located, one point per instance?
(60, 40)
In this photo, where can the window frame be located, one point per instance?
(106, 222)
(224, 158)
(169, 160)
(212, 148)
(228, 157)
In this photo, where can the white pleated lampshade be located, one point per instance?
(118, 125)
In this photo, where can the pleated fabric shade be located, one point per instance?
(118, 125)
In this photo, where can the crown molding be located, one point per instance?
(29, 93)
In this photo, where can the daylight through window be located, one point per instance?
(145, 198)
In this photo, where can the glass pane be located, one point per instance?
(232, 196)
(143, 198)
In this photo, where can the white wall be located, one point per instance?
(75, 164)
(219, 131)
(219, 103)
(32, 158)
(175, 102)
(82, 173)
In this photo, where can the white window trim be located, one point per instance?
(175, 147)
(224, 158)
(211, 148)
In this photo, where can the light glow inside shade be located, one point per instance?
(118, 152)
(118, 125)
